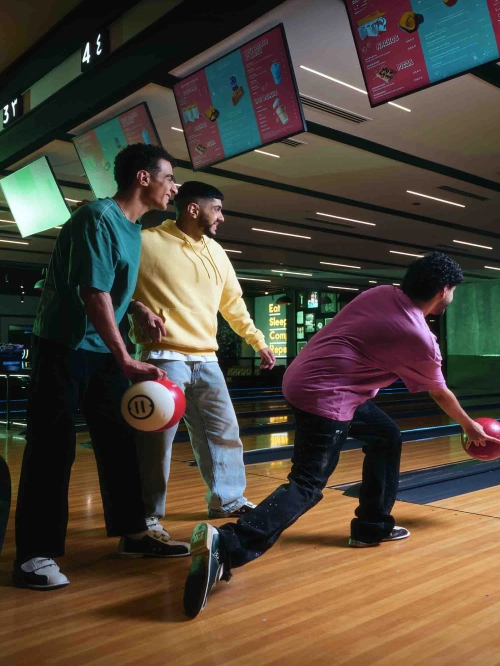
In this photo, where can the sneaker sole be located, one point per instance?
(201, 544)
(41, 588)
(201, 539)
(361, 544)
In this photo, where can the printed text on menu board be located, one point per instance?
(405, 45)
(240, 102)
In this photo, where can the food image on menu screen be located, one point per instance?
(98, 148)
(407, 45)
(244, 100)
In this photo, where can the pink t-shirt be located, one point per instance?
(379, 336)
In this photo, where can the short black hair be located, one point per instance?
(427, 276)
(193, 192)
(138, 157)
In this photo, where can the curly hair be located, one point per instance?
(138, 157)
(427, 276)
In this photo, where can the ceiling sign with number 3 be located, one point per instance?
(94, 50)
(12, 110)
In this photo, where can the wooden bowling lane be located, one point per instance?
(431, 600)
(415, 456)
(484, 502)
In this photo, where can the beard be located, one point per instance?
(209, 233)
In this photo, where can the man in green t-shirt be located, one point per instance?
(80, 359)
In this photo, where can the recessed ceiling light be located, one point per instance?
(493, 268)
(484, 247)
(329, 263)
(292, 273)
(396, 284)
(4, 240)
(347, 219)
(280, 233)
(263, 152)
(331, 286)
(237, 251)
(426, 196)
(253, 279)
(348, 85)
(373, 281)
(406, 254)
(177, 129)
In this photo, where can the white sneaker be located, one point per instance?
(39, 573)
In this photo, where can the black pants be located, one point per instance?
(318, 443)
(62, 379)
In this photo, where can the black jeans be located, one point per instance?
(318, 443)
(61, 380)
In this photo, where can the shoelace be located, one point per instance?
(160, 534)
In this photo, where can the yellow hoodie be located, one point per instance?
(186, 282)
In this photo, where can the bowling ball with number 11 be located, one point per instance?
(154, 405)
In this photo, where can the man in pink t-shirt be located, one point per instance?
(379, 337)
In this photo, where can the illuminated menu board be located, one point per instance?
(98, 148)
(407, 45)
(245, 100)
(270, 318)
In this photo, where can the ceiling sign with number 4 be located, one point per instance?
(95, 50)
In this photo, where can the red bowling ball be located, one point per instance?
(153, 405)
(492, 450)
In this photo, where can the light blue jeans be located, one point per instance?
(214, 433)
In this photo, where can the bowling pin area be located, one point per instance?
(397, 603)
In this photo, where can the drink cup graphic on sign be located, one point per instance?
(276, 72)
(282, 114)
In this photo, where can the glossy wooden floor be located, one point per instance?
(433, 599)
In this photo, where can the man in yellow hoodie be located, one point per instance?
(185, 278)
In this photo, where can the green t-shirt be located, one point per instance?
(98, 247)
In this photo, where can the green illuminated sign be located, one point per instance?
(34, 198)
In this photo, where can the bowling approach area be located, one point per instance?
(431, 599)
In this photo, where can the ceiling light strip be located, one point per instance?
(291, 273)
(280, 233)
(347, 219)
(332, 286)
(348, 85)
(263, 152)
(484, 247)
(329, 263)
(4, 240)
(407, 254)
(253, 279)
(426, 196)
